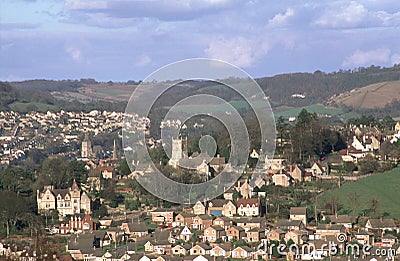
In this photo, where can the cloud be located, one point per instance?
(239, 51)
(17, 26)
(395, 59)
(281, 19)
(364, 58)
(169, 10)
(85, 4)
(74, 53)
(355, 15)
(350, 15)
(143, 61)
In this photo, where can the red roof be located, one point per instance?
(249, 201)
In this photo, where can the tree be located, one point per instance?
(17, 180)
(15, 210)
(373, 207)
(368, 165)
(354, 202)
(123, 168)
(388, 123)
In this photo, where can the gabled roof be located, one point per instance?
(162, 210)
(289, 223)
(218, 228)
(137, 227)
(249, 201)
(330, 227)
(62, 192)
(382, 223)
(218, 202)
(236, 228)
(217, 161)
(340, 219)
(298, 211)
(203, 246)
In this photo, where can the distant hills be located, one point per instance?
(373, 96)
(370, 90)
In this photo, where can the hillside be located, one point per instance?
(286, 91)
(370, 97)
(383, 187)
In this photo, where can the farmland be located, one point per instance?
(385, 188)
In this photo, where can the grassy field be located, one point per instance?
(317, 108)
(384, 187)
(372, 96)
(32, 106)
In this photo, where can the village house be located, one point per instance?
(181, 249)
(289, 225)
(235, 233)
(200, 249)
(297, 172)
(107, 172)
(201, 222)
(199, 208)
(245, 189)
(344, 220)
(388, 240)
(135, 229)
(184, 219)
(281, 179)
(213, 233)
(224, 222)
(248, 207)
(297, 236)
(255, 235)
(365, 238)
(221, 250)
(318, 170)
(243, 252)
(379, 225)
(68, 201)
(159, 243)
(217, 163)
(248, 223)
(162, 216)
(275, 163)
(221, 207)
(77, 224)
(298, 213)
(324, 230)
(228, 194)
(276, 234)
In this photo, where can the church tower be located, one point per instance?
(86, 150)
(177, 152)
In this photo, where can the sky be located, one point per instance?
(122, 40)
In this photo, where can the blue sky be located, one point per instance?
(123, 40)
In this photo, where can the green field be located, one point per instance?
(32, 106)
(383, 187)
(316, 108)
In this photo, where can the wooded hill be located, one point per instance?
(286, 90)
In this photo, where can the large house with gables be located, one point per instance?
(69, 201)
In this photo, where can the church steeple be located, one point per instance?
(74, 185)
(114, 156)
